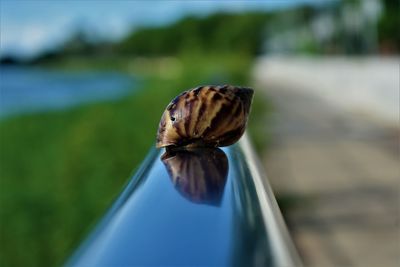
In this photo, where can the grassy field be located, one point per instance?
(61, 170)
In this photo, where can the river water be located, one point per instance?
(29, 90)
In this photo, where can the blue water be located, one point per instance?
(28, 90)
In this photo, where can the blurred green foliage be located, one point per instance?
(388, 27)
(226, 33)
(219, 33)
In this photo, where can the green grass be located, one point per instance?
(61, 170)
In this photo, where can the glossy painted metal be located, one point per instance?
(203, 207)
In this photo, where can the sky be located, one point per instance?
(30, 27)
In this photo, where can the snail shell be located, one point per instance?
(198, 174)
(209, 116)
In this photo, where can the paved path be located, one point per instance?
(335, 168)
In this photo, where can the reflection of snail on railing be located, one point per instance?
(199, 174)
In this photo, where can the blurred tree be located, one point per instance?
(388, 27)
(78, 43)
(217, 33)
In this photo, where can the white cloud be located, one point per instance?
(29, 39)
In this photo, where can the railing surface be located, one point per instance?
(205, 207)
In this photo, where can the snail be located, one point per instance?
(198, 174)
(206, 116)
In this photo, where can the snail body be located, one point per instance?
(207, 116)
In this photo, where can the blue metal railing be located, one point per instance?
(203, 207)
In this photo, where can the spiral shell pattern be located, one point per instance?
(209, 116)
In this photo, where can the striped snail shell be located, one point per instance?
(207, 116)
(198, 174)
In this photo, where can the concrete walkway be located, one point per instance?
(335, 165)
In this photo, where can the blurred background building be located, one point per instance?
(83, 85)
